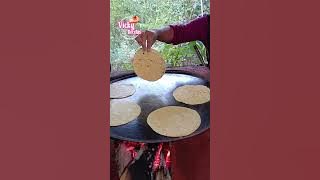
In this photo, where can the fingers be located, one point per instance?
(146, 40)
(141, 40)
(149, 42)
(150, 39)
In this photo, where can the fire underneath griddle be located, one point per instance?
(147, 161)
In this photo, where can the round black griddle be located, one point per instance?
(154, 95)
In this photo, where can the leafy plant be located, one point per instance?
(153, 14)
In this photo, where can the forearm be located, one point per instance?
(165, 34)
(196, 30)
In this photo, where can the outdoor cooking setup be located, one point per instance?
(141, 151)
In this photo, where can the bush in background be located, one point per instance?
(153, 14)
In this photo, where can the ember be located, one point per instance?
(157, 159)
(147, 160)
(168, 160)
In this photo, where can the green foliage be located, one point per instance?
(175, 55)
(153, 14)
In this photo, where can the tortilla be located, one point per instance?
(192, 94)
(121, 90)
(174, 121)
(122, 112)
(149, 66)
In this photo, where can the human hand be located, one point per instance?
(146, 39)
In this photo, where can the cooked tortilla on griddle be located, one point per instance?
(174, 121)
(121, 90)
(123, 112)
(192, 94)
